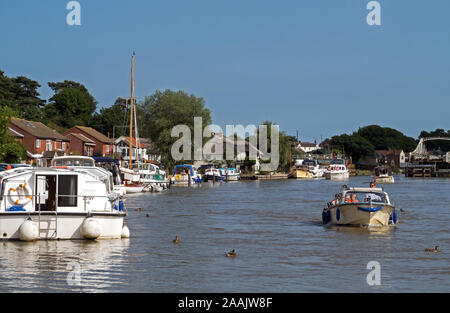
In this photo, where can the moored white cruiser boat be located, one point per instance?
(230, 174)
(60, 203)
(337, 170)
(153, 178)
(360, 207)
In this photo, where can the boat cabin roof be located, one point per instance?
(73, 161)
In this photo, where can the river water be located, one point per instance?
(275, 227)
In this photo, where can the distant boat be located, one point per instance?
(230, 174)
(212, 174)
(307, 170)
(186, 175)
(383, 175)
(153, 178)
(337, 170)
(360, 207)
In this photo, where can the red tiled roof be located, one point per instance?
(37, 129)
(93, 133)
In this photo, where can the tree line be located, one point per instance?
(71, 104)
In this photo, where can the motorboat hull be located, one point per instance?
(302, 174)
(63, 225)
(360, 214)
(134, 188)
(384, 179)
(337, 175)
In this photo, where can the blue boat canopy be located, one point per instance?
(184, 166)
(105, 160)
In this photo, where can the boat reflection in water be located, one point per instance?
(78, 265)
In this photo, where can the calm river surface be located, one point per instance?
(275, 227)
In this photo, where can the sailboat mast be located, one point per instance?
(131, 110)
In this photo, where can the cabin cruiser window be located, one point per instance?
(67, 190)
(358, 197)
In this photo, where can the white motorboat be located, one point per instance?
(186, 175)
(60, 203)
(383, 175)
(360, 207)
(212, 174)
(337, 170)
(153, 178)
(230, 174)
(307, 170)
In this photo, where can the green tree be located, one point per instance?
(385, 138)
(21, 95)
(354, 145)
(113, 120)
(165, 109)
(72, 104)
(11, 151)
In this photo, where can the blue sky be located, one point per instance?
(309, 65)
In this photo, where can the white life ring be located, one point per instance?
(20, 195)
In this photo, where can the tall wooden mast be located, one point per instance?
(131, 110)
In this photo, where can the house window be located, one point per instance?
(63, 146)
(38, 143)
(107, 148)
(49, 145)
(67, 190)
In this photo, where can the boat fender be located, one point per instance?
(28, 231)
(121, 207)
(90, 229)
(394, 217)
(125, 231)
(338, 214)
(326, 216)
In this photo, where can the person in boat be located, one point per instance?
(336, 200)
(351, 198)
(372, 184)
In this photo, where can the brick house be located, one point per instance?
(393, 157)
(103, 146)
(81, 145)
(123, 149)
(17, 136)
(38, 139)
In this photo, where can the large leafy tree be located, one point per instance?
(354, 145)
(165, 109)
(113, 120)
(11, 151)
(385, 138)
(21, 95)
(72, 104)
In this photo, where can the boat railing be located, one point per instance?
(36, 201)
